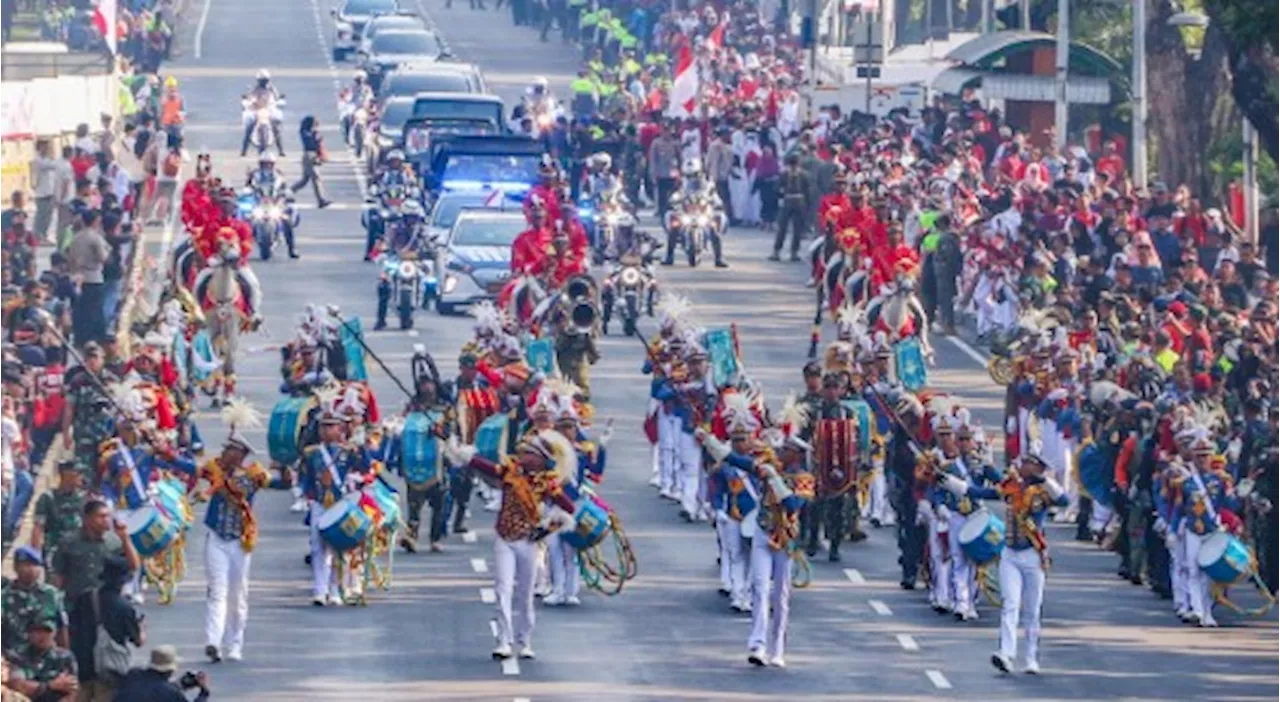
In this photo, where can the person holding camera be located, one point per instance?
(153, 683)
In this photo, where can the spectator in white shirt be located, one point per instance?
(108, 169)
(44, 174)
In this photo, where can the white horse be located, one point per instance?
(224, 289)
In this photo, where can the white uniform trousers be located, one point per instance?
(1022, 593)
(565, 580)
(939, 558)
(1197, 582)
(963, 572)
(734, 559)
(877, 506)
(668, 446)
(323, 580)
(226, 566)
(689, 473)
(514, 563)
(770, 596)
(1178, 573)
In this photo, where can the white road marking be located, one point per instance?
(854, 576)
(520, 699)
(938, 679)
(333, 206)
(204, 19)
(510, 666)
(493, 626)
(880, 608)
(488, 596)
(907, 642)
(411, 332)
(968, 350)
(469, 537)
(479, 566)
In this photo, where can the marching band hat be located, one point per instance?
(1202, 447)
(942, 426)
(964, 432)
(236, 440)
(696, 353)
(328, 417)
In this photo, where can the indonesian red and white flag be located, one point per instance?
(715, 42)
(684, 88)
(104, 19)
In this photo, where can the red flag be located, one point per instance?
(104, 20)
(716, 40)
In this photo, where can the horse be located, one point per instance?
(225, 293)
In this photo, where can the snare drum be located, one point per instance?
(345, 525)
(284, 429)
(387, 500)
(492, 437)
(1224, 558)
(590, 522)
(982, 537)
(151, 530)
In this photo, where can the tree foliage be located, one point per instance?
(1249, 29)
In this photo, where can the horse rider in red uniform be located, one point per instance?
(225, 227)
(197, 194)
(893, 258)
(546, 192)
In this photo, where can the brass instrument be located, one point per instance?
(580, 305)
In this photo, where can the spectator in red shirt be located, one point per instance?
(1111, 163)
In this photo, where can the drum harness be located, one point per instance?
(1219, 590)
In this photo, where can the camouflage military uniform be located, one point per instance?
(80, 561)
(91, 422)
(58, 512)
(43, 666)
(24, 605)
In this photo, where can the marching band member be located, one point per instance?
(565, 581)
(528, 479)
(831, 432)
(662, 354)
(735, 501)
(331, 468)
(943, 508)
(785, 484)
(232, 481)
(423, 486)
(909, 434)
(1208, 494)
(689, 393)
(476, 402)
(1028, 493)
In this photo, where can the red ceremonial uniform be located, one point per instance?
(886, 263)
(547, 196)
(215, 231)
(529, 250)
(196, 203)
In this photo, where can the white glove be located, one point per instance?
(1053, 488)
(923, 510)
(1234, 447)
(458, 454)
(954, 485)
(1244, 488)
(717, 448)
(606, 435)
(944, 515)
(1160, 525)
(1171, 542)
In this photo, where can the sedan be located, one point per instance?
(478, 257)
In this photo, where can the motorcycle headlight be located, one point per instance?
(630, 277)
(612, 219)
(275, 212)
(259, 212)
(264, 114)
(584, 212)
(450, 283)
(544, 120)
(406, 269)
(685, 220)
(703, 220)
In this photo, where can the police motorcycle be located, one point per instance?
(695, 219)
(602, 207)
(540, 107)
(630, 284)
(263, 115)
(409, 264)
(385, 199)
(355, 107)
(269, 208)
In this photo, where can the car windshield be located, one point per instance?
(423, 43)
(486, 231)
(369, 7)
(396, 112)
(392, 23)
(414, 83)
(447, 209)
(490, 169)
(458, 109)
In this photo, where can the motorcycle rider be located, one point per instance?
(540, 105)
(357, 95)
(696, 192)
(268, 183)
(405, 235)
(262, 95)
(396, 174)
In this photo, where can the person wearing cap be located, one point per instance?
(687, 397)
(476, 402)
(229, 482)
(734, 498)
(87, 416)
(910, 433)
(1207, 495)
(948, 590)
(154, 683)
(835, 510)
(784, 484)
(529, 478)
(42, 670)
(424, 485)
(57, 515)
(26, 599)
(1028, 493)
(332, 468)
(592, 456)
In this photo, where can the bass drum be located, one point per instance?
(284, 430)
(493, 437)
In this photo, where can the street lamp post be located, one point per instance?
(1139, 118)
(1062, 60)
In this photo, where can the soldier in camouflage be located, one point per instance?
(27, 600)
(42, 670)
(86, 421)
(58, 511)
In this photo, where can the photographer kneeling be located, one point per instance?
(153, 684)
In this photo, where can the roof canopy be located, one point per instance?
(986, 50)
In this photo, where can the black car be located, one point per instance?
(393, 48)
(431, 78)
(349, 22)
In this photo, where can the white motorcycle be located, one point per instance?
(262, 117)
(354, 116)
(543, 112)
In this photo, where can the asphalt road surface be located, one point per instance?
(669, 636)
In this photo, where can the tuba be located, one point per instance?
(581, 305)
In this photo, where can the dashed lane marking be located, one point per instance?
(854, 576)
(880, 608)
(479, 566)
(938, 679)
(907, 642)
(520, 699)
(967, 350)
(493, 627)
(204, 19)
(469, 537)
(488, 596)
(510, 666)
